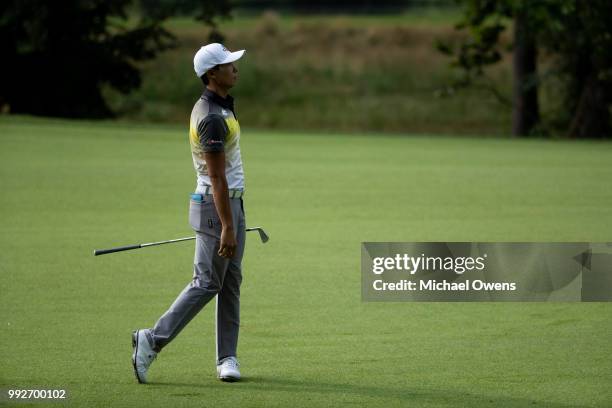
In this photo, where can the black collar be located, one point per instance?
(227, 102)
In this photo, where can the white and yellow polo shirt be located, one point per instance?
(214, 128)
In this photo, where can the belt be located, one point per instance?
(233, 193)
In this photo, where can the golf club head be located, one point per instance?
(262, 234)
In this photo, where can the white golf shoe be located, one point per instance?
(143, 355)
(228, 370)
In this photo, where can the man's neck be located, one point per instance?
(222, 92)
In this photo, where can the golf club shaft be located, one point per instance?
(138, 246)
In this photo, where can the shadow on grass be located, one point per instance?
(407, 394)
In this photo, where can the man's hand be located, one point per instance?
(227, 248)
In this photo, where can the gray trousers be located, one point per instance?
(212, 276)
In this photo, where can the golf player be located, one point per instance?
(216, 214)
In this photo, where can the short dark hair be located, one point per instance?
(204, 78)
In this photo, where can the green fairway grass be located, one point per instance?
(306, 340)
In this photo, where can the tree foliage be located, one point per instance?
(576, 34)
(206, 11)
(57, 55)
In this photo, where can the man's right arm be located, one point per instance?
(212, 133)
(216, 171)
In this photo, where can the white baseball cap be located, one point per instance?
(211, 55)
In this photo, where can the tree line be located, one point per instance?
(576, 36)
(58, 55)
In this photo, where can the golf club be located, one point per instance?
(262, 235)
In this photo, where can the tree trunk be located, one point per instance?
(525, 110)
(592, 117)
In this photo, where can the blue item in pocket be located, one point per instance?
(197, 197)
